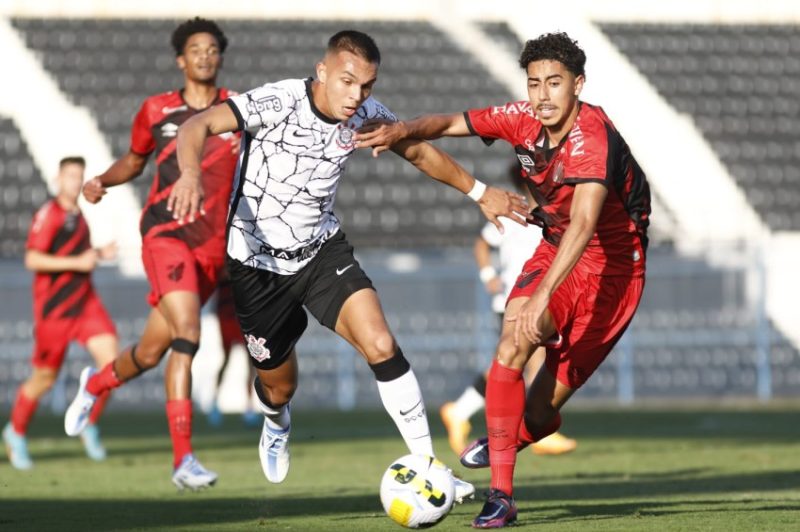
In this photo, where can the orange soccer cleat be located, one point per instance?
(556, 443)
(457, 429)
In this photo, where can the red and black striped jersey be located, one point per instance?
(593, 151)
(155, 128)
(55, 231)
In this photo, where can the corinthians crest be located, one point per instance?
(344, 137)
(257, 347)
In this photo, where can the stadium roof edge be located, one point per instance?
(678, 11)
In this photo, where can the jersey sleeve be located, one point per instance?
(497, 122)
(491, 235)
(42, 231)
(589, 157)
(142, 141)
(261, 107)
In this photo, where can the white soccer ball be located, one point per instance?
(417, 491)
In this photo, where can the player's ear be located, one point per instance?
(579, 80)
(322, 74)
(181, 62)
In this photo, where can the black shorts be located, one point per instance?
(270, 305)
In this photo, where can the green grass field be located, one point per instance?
(717, 469)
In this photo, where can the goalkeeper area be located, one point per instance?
(641, 469)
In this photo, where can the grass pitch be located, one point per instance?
(633, 470)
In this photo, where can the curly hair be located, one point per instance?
(197, 25)
(555, 47)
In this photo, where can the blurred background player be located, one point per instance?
(182, 261)
(232, 338)
(65, 308)
(514, 246)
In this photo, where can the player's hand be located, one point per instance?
(380, 135)
(497, 202)
(107, 252)
(526, 320)
(93, 190)
(86, 261)
(185, 200)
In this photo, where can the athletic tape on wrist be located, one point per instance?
(477, 191)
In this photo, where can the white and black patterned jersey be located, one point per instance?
(290, 163)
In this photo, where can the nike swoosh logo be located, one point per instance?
(412, 408)
(300, 134)
(340, 272)
(168, 110)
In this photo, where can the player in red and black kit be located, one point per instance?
(182, 261)
(579, 291)
(65, 308)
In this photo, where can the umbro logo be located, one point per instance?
(340, 272)
(169, 129)
(176, 271)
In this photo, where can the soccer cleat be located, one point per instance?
(498, 511)
(191, 474)
(273, 450)
(457, 429)
(77, 416)
(463, 490)
(91, 442)
(476, 455)
(556, 443)
(17, 448)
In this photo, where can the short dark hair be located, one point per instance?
(555, 47)
(197, 25)
(355, 42)
(72, 159)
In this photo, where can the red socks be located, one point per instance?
(98, 407)
(179, 417)
(103, 381)
(22, 412)
(505, 404)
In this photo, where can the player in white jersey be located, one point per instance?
(514, 247)
(285, 247)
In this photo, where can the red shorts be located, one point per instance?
(591, 312)
(53, 336)
(172, 266)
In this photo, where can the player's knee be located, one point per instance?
(507, 352)
(380, 348)
(43, 381)
(187, 327)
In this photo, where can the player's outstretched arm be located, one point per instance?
(494, 202)
(121, 171)
(186, 197)
(382, 135)
(39, 261)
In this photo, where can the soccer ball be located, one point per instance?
(417, 491)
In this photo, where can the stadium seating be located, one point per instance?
(110, 66)
(22, 191)
(741, 86)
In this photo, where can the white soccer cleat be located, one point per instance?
(17, 448)
(191, 474)
(273, 450)
(77, 416)
(463, 490)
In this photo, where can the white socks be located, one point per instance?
(402, 398)
(468, 404)
(277, 418)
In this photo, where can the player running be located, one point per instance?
(514, 246)
(579, 291)
(65, 308)
(182, 260)
(285, 247)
